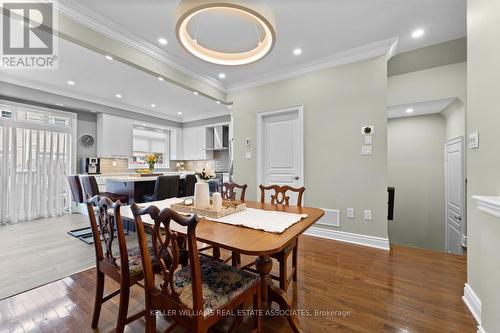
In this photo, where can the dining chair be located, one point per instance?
(187, 190)
(279, 197)
(165, 187)
(91, 188)
(123, 266)
(228, 192)
(196, 296)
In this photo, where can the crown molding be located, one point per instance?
(385, 48)
(97, 22)
(13, 79)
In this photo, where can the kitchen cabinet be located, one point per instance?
(176, 143)
(114, 136)
(194, 143)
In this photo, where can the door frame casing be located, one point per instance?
(463, 222)
(260, 142)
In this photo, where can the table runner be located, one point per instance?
(265, 220)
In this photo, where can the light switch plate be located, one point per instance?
(368, 140)
(473, 141)
(368, 215)
(366, 150)
(350, 213)
(248, 155)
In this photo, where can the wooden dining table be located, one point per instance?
(252, 242)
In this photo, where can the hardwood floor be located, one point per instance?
(41, 251)
(404, 290)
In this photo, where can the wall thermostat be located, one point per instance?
(367, 130)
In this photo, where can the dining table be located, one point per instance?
(253, 242)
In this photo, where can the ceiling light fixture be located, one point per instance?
(153, 105)
(218, 102)
(71, 83)
(162, 41)
(118, 96)
(417, 33)
(409, 110)
(222, 76)
(179, 113)
(195, 92)
(297, 51)
(161, 78)
(109, 57)
(266, 36)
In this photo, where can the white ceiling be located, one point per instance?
(98, 80)
(321, 28)
(419, 109)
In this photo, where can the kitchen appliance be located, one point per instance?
(90, 165)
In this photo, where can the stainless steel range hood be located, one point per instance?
(220, 138)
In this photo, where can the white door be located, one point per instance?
(455, 194)
(281, 149)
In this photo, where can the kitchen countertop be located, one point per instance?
(124, 178)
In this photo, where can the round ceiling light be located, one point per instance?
(215, 43)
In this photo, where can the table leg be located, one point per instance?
(270, 292)
(264, 265)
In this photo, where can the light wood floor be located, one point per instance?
(41, 251)
(404, 290)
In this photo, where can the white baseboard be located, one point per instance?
(371, 241)
(473, 303)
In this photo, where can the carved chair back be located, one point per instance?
(107, 227)
(280, 196)
(166, 250)
(228, 192)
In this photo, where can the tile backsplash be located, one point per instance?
(221, 160)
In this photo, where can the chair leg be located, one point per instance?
(283, 263)
(123, 308)
(150, 321)
(295, 257)
(216, 252)
(257, 308)
(236, 259)
(99, 293)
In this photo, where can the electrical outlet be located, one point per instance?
(368, 215)
(350, 213)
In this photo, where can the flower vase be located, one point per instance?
(201, 194)
(151, 167)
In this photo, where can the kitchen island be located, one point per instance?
(135, 186)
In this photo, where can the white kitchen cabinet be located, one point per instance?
(176, 144)
(114, 136)
(194, 144)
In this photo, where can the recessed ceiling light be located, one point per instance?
(71, 83)
(179, 113)
(109, 57)
(409, 110)
(218, 102)
(222, 76)
(118, 96)
(162, 41)
(195, 92)
(161, 78)
(153, 105)
(297, 51)
(59, 104)
(417, 33)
